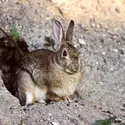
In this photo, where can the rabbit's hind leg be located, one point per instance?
(26, 98)
(25, 88)
(29, 98)
(22, 98)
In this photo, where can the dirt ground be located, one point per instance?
(99, 30)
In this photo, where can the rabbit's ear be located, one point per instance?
(69, 33)
(58, 30)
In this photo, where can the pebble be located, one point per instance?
(111, 69)
(50, 114)
(97, 63)
(115, 50)
(103, 53)
(55, 123)
(81, 41)
(101, 83)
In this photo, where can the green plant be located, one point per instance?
(49, 42)
(14, 33)
(21, 122)
(15, 36)
(108, 121)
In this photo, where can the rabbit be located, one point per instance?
(44, 75)
(9, 57)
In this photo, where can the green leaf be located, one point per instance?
(102, 122)
(50, 41)
(14, 33)
(122, 124)
(105, 121)
(21, 122)
(112, 118)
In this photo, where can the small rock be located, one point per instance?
(50, 114)
(117, 121)
(103, 53)
(55, 123)
(101, 83)
(81, 41)
(115, 50)
(111, 69)
(115, 36)
(97, 63)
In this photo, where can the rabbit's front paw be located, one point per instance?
(67, 98)
(53, 97)
(41, 101)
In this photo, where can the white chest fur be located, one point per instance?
(64, 84)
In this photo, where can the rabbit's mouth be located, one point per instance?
(70, 70)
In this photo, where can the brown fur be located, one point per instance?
(47, 75)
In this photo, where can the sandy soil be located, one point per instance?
(100, 28)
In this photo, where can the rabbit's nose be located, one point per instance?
(75, 68)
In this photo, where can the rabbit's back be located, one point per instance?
(38, 59)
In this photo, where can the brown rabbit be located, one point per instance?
(46, 75)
